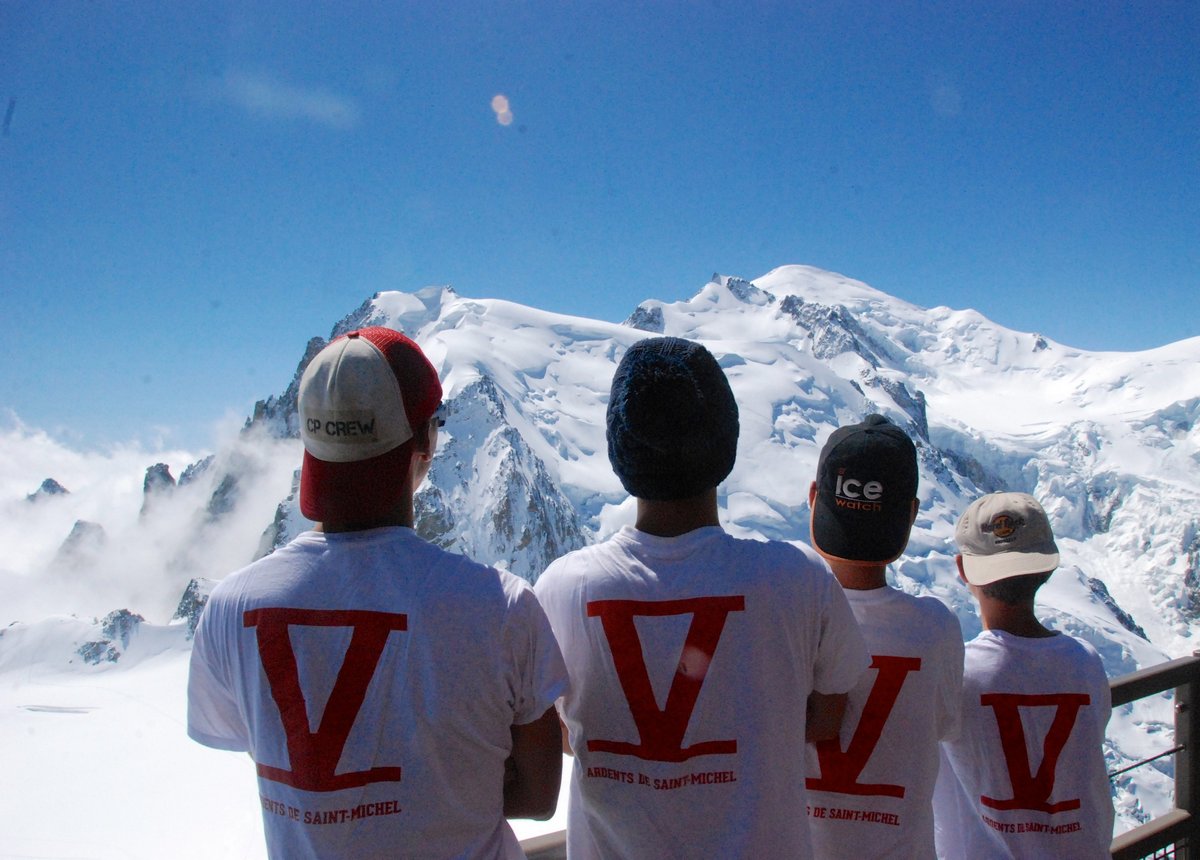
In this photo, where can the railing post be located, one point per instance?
(1187, 761)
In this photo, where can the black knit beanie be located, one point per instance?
(672, 420)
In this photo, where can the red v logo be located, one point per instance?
(1030, 790)
(661, 731)
(314, 756)
(840, 770)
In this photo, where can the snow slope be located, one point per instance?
(91, 700)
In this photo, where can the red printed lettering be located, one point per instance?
(314, 756)
(661, 731)
(1032, 791)
(840, 769)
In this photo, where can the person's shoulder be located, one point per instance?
(1035, 652)
(986, 648)
(464, 570)
(482, 589)
(1076, 643)
(799, 558)
(576, 565)
(514, 586)
(1083, 650)
(282, 557)
(1088, 661)
(793, 554)
(234, 593)
(241, 582)
(262, 578)
(783, 564)
(934, 611)
(577, 559)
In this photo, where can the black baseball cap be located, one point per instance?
(866, 483)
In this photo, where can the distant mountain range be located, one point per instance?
(1108, 442)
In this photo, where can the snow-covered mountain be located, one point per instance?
(1108, 442)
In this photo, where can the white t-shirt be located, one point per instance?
(691, 662)
(871, 791)
(374, 679)
(1026, 777)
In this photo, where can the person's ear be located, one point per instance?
(812, 494)
(962, 574)
(424, 442)
(916, 506)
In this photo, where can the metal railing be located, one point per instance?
(548, 846)
(1168, 836)
(1177, 833)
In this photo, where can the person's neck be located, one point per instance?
(402, 516)
(858, 576)
(677, 516)
(1017, 620)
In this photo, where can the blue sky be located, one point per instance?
(188, 192)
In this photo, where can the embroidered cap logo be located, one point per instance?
(1003, 526)
(858, 495)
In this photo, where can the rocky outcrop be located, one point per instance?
(278, 412)
(489, 496)
(118, 627)
(648, 318)
(1100, 591)
(286, 524)
(48, 490)
(157, 485)
(832, 330)
(191, 603)
(86, 538)
(196, 470)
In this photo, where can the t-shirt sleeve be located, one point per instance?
(1100, 683)
(841, 652)
(213, 716)
(953, 813)
(541, 675)
(950, 681)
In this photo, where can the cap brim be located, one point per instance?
(986, 569)
(353, 492)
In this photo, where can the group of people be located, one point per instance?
(721, 697)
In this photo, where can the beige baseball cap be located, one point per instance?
(1002, 535)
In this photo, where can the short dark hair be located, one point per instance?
(1016, 590)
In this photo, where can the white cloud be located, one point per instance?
(140, 560)
(269, 98)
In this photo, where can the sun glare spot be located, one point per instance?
(693, 663)
(500, 107)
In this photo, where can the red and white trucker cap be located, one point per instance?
(360, 399)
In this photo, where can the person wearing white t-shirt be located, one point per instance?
(693, 655)
(1026, 777)
(871, 788)
(397, 699)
